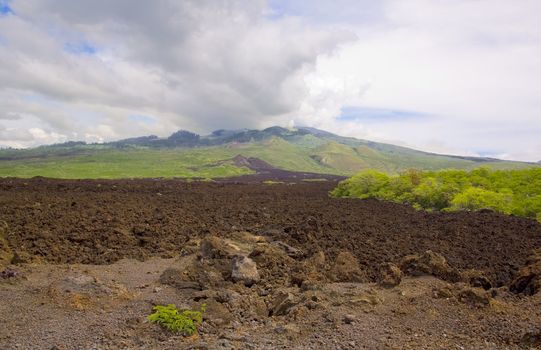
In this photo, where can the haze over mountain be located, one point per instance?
(229, 153)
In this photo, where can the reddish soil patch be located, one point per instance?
(100, 222)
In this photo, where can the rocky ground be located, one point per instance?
(277, 266)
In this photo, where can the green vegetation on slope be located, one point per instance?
(283, 154)
(515, 192)
(133, 163)
(185, 154)
(338, 156)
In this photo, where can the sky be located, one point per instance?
(446, 76)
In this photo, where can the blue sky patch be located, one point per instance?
(40, 99)
(4, 8)
(322, 11)
(488, 153)
(80, 48)
(145, 119)
(374, 115)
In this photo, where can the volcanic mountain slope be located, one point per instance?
(186, 154)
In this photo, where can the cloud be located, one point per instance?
(10, 116)
(84, 69)
(22, 138)
(470, 67)
(194, 64)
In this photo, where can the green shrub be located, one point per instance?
(363, 185)
(432, 193)
(184, 321)
(475, 198)
(515, 192)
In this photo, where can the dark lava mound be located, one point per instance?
(100, 222)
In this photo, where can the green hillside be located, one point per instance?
(185, 154)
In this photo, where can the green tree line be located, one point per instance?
(516, 192)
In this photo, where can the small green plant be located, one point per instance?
(183, 321)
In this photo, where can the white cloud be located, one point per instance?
(472, 66)
(194, 64)
(81, 68)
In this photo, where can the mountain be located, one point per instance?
(229, 153)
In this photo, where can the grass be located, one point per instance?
(306, 154)
(138, 163)
(207, 162)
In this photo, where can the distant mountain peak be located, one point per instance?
(303, 149)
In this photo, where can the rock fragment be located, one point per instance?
(528, 279)
(288, 329)
(282, 302)
(244, 270)
(390, 275)
(477, 297)
(9, 273)
(349, 319)
(289, 250)
(213, 247)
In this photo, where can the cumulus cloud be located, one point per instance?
(198, 65)
(83, 69)
(471, 68)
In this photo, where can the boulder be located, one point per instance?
(528, 279)
(195, 274)
(213, 247)
(310, 273)
(216, 313)
(476, 279)
(477, 297)
(283, 300)
(244, 270)
(390, 275)
(248, 306)
(429, 263)
(274, 265)
(444, 292)
(346, 269)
